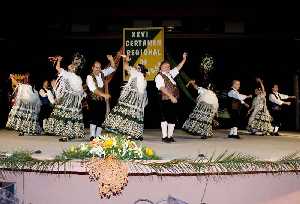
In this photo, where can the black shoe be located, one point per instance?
(230, 136)
(171, 139)
(165, 140)
(63, 139)
(276, 134)
(92, 138)
(203, 137)
(21, 133)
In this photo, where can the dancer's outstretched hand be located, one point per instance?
(109, 57)
(184, 56)
(106, 96)
(59, 58)
(173, 99)
(247, 106)
(258, 79)
(192, 82)
(287, 103)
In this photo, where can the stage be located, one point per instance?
(186, 146)
(74, 186)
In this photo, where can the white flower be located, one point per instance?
(125, 145)
(97, 151)
(83, 147)
(124, 149)
(139, 152)
(114, 142)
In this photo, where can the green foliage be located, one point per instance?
(226, 163)
(222, 163)
(22, 160)
(74, 152)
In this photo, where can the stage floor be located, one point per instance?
(186, 146)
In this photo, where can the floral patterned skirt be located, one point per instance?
(200, 121)
(24, 118)
(260, 121)
(125, 120)
(65, 120)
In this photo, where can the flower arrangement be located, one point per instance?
(110, 145)
(105, 157)
(207, 63)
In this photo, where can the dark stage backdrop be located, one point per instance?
(238, 58)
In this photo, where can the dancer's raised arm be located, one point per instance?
(180, 65)
(112, 61)
(126, 60)
(13, 80)
(58, 67)
(261, 84)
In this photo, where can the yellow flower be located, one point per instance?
(108, 144)
(149, 151)
(72, 148)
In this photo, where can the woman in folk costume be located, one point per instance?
(200, 121)
(169, 92)
(127, 117)
(23, 116)
(260, 119)
(97, 97)
(66, 119)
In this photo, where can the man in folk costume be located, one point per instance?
(166, 84)
(235, 104)
(97, 97)
(277, 102)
